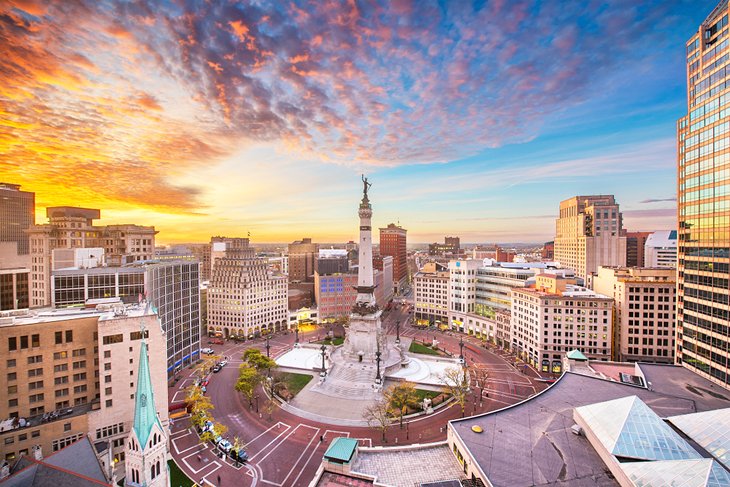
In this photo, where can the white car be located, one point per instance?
(208, 351)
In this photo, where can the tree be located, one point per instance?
(456, 383)
(270, 406)
(248, 379)
(378, 415)
(400, 397)
(199, 406)
(217, 430)
(203, 368)
(258, 360)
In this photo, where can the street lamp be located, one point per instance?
(397, 331)
(257, 402)
(377, 364)
(296, 335)
(323, 349)
(461, 349)
(268, 347)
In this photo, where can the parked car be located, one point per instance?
(223, 363)
(217, 368)
(239, 456)
(224, 445)
(217, 341)
(208, 351)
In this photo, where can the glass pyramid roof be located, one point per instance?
(710, 429)
(629, 428)
(703, 472)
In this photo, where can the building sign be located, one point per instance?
(557, 366)
(545, 365)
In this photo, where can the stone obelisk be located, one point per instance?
(365, 335)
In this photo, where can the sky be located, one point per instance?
(227, 118)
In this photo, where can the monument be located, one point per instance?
(365, 336)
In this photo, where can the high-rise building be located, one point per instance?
(644, 307)
(393, 243)
(245, 297)
(660, 249)
(71, 373)
(71, 227)
(556, 317)
(635, 242)
(173, 288)
(17, 214)
(336, 293)
(703, 269)
(303, 260)
(590, 234)
(332, 261)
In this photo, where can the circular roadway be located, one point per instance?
(286, 450)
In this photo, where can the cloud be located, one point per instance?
(659, 200)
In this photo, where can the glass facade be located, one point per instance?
(17, 214)
(703, 311)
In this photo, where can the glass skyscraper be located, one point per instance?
(703, 311)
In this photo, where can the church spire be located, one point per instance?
(145, 415)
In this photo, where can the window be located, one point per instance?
(60, 355)
(35, 340)
(35, 385)
(35, 398)
(24, 342)
(62, 392)
(12, 343)
(79, 352)
(67, 427)
(35, 359)
(60, 367)
(80, 365)
(81, 376)
(108, 403)
(13, 403)
(107, 378)
(12, 376)
(80, 389)
(107, 353)
(35, 434)
(108, 391)
(69, 336)
(59, 337)
(109, 339)
(12, 389)
(11, 362)
(61, 380)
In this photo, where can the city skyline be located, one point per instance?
(470, 120)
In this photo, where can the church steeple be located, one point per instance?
(145, 416)
(146, 449)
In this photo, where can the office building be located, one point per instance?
(635, 242)
(556, 317)
(431, 295)
(548, 251)
(70, 228)
(393, 243)
(173, 288)
(703, 268)
(336, 293)
(501, 255)
(17, 214)
(644, 308)
(332, 261)
(660, 249)
(72, 373)
(302, 260)
(450, 248)
(245, 297)
(590, 234)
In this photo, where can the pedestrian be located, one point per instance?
(198, 457)
(219, 479)
(321, 438)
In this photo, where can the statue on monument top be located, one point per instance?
(365, 186)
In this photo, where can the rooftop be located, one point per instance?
(531, 443)
(341, 450)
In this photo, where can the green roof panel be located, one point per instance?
(341, 450)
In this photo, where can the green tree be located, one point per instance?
(400, 397)
(258, 360)
(214, 432)
(199, 405)
(456, 383)
(203, 368)
(248, 379)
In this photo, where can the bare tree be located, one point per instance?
(456, 383)
(480, 376)
(378, 415)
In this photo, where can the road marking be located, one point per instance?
(314, 437)
(277, 425)
(272, 441)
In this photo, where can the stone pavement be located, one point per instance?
(409, 466)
